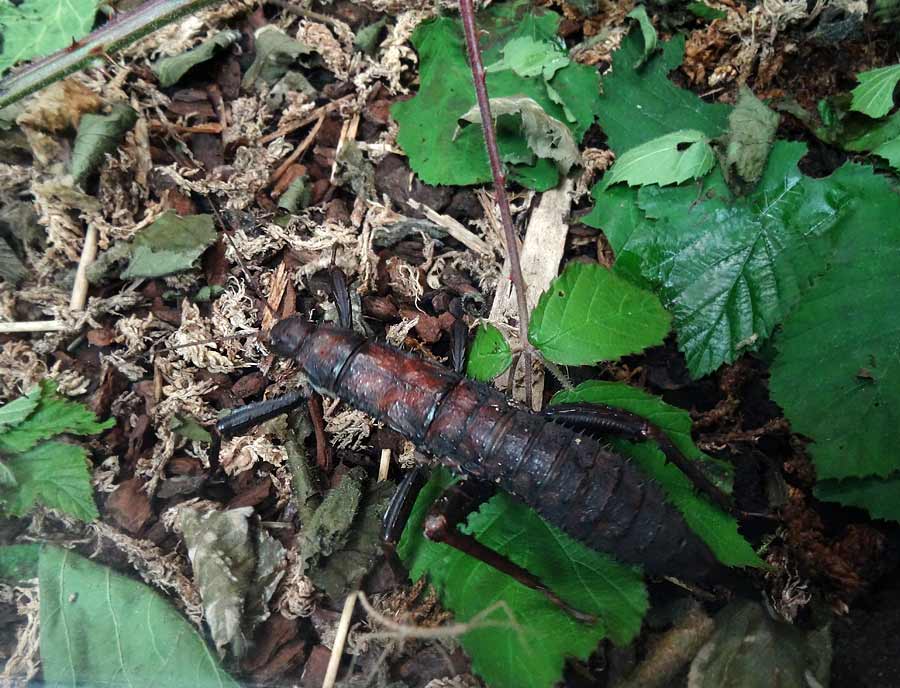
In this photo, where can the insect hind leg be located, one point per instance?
(246, 417)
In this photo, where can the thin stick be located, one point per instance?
(384, 465)
(88, 254)
(298, 151)
(490, 139)
(340, 638)
(31, 326)
(120, 31)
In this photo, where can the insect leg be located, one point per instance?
(458, 345)
(451, 508)
(242, 419)
(397, 513)
(606, 419)
(341, 295)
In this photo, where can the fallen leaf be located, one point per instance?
(171, 244)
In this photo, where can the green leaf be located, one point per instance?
(837, 375)
(546, 137)
(7, 477)
(890, 151)
(641, 105)
(669, 159)
(54, 416)
(718, 529)
(524, 640)
(170, 69)
(489, 354)
(101, 628)
(171, 244)
(19, 409)
(879, 496)
(52, 474)
(189, 428)
(527, 56)
(19, 562)
(276, 52)
(427, 121)
(589, 314)
(704, 11)
(751, 132)
(97, 136)
(728, 269)
(648, 33)
(875, 94)
(35, 28)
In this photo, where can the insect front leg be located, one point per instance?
(608, 420)
(246, 417)
(441, 525)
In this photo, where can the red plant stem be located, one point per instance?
(467, 11)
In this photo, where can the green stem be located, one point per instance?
(121, 31)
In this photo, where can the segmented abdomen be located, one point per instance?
(592, 494)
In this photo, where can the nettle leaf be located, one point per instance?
(718, 529)
(669, 159)
(519, 639)
(171, 244)
(54, 415)
(704, 11)
(276, 52)
(837, 375)
(171, 68)
(639, 105)
(751, 132)
(489, 354)
(19, 562)
(53, 474)
(879, 496)
(428, 121)
(728, 269)
(35, 28)
(126, 632)
(890, 151)
(546, 137)
(97, 136)
(590, 314)
(875, 94)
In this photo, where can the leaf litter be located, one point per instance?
(201, 135)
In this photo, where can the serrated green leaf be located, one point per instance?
(171, 68)
(7, 477)
(54, 415)
(524, 643)
(546, 137)
(489, 354)
(875, 94)
(428, 120)
(52, 474)
(669, 159)
(19, 562)
(97, 136)
(837, 375)
(879, 496)
(34, 28)
(102, 628)
(718, 529)
(590, 314)
(648, 33)
(637, 106)
(171, 244)
(751, 132)
(19, 409)
(728, 269)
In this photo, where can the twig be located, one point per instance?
(467, 11)
(32, 326)
(298, 151)
(454, 228)
(88, 253)
(340, 638)
(384, 465)
(119, 32)
(309, 14)
(309, 119)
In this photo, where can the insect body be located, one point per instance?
(592, 494)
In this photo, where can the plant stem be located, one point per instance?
(119, 32)
(467, 11)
